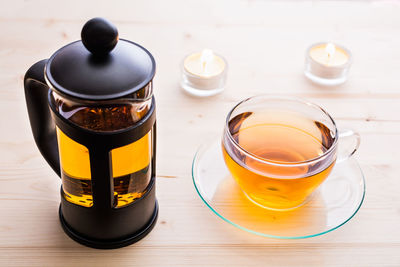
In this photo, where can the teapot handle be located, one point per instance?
(43, 127)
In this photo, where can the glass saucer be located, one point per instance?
(334, 203)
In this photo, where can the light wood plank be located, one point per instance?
(264, 43)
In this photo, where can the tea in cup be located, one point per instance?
(279, 150)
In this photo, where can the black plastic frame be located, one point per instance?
(102, 225)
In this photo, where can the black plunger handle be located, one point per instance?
(43, 127)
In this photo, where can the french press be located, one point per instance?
(92, 114)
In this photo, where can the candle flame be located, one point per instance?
(207, 55)
(330, 49)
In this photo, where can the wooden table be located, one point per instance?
(264, 43)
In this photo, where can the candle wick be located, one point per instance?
(204, 63)
(330, 50)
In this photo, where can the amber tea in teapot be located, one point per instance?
(131, 174)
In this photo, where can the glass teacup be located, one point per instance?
(279, 150)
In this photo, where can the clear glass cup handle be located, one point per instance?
(349, 142)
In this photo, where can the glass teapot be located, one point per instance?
(92, 113)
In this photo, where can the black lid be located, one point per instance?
(100, 66)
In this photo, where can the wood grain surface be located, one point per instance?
(264, 43)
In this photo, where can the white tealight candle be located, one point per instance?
(327, 63)
(204, 73)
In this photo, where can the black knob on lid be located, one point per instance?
(99, 36)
